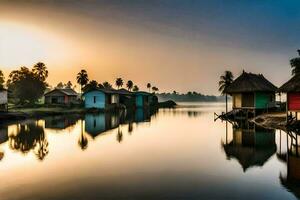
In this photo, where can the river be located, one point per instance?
(177, 153)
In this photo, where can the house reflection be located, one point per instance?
(250, 145)
(28, 137)
(291, 180)
(96, 124)
(60, 122)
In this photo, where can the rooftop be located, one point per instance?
(249, 82)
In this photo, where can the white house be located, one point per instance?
(3, 99)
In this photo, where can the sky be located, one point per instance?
(182, 45)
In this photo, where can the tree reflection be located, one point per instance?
(83, 141)
(119, 135)
(30, 137)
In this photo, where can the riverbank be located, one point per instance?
(21, 113)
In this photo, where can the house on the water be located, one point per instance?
(61, 96)
(100, 98)
(292, 90)
(3, 99)
(252, 92)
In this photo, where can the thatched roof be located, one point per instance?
(248, 82)
(293, 85)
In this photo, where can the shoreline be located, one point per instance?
(17, 114)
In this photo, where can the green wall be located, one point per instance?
(262, 99)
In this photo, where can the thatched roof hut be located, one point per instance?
(249, 82)
(252, 91)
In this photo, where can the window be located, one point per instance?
(94, 99)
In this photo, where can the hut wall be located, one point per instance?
(264, 100)
(139, 101)
(94, 99)
(293, 100)
(248, 100)
(237, 100)
(3, 97)
(114, 98)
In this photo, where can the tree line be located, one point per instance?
(86, 84)
(28, 85)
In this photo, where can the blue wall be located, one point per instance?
(139, 100)
(89, 99)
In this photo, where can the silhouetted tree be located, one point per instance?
(82, 79)
(2, 80)
(135, 88)
(60, 85)
(26, 86)
(92, 85)
(119, 82)
(225, 80)
(149, 86)
(107, 85)
(155, 89)
(295, 64)
(40, 70)
(129, 85)
(69, 85)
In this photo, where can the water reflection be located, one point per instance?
(291, 180)
(30, 136)
(251, 145)
(27, 137)
(61, 122)
(96, 124)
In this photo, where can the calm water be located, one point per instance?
(170, 154)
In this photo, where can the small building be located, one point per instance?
(252, 91)
(292, 90)
(61, 96)
(100, 98)
(142, 99)
(126, 98)
(3, 100)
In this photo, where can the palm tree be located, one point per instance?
(119, 82)
(40, 70)
(107, 85)
(149, 86)
(129, 85)
(225, 80)
(92, 85)
(82, 79)
(295, 64)
(135, 88)
(155, 89)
